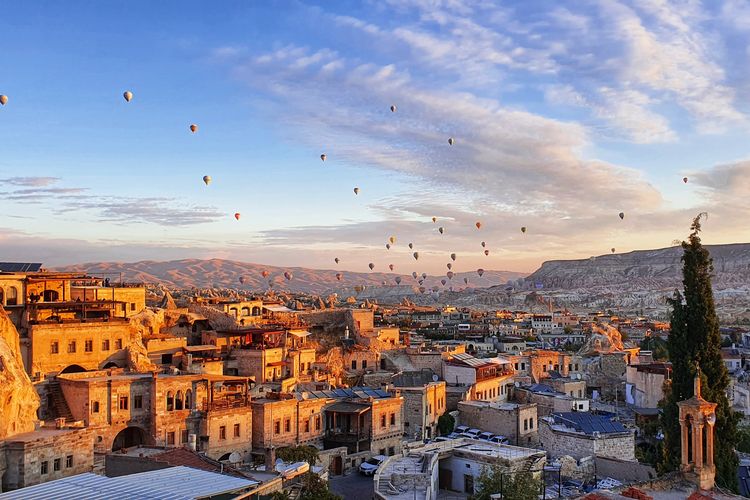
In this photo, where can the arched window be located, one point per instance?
(170, 401)
(188, 399)
(178, 401)
(233, 311)
(246, 311)
(256, 311)
(2, 297)
(12, 299)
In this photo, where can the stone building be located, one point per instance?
(487, 379)
(281, 420)
(519, 423)
(645, 384)
(425, 401)
(548, 400)
(583, 434)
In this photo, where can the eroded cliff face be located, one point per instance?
(19, 400)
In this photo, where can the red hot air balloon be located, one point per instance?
(237, 215)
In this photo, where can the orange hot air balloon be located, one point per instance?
(265, 274)
(486, 252)
(392, 239)
(193, 128)
(128, 95)
(434, 219)
(237, 215)
(3, 99)
(390, 266)
(449, 266)
(613, 249)
(453, 257)
(450, 275)
(416, 255)
(323, 157)
(479, 225)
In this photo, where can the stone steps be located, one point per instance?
(60, 406)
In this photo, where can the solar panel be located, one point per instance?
(20, 267)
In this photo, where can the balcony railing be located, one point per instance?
(225, 404)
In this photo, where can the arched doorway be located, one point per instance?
(109, 365)
(73, 369)
(128, 437)
(224, 457)
(51, 296)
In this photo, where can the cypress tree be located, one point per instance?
(694, 338)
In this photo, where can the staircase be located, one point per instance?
(57, 407)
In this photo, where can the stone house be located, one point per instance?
(425, 401)
(583, 434)
(644, 386)
(281, 420)
(519, 423)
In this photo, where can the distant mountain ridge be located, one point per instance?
(642, 269)
(220, 273)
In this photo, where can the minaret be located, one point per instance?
(697, 420)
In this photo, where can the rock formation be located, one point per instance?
(19, 401)
(604, 339)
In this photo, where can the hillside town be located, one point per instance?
(112, 386)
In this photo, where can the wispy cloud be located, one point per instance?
(30, 181)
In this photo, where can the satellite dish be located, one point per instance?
(235, 457)
(517, 384)
(435, 378)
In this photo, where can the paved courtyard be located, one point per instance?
(355, 486)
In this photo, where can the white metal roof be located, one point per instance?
(277, 308)
(173, 483)
(299, 333)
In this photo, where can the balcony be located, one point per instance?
(354, 441)
(225, 404)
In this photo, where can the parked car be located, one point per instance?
(486, 436)
(474, 433)
(467, 435)
(370, 466)
(460, 429)
(499, 439)
(440, 439)
(453, 435)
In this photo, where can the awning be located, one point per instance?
(277, 309)
(299, 333)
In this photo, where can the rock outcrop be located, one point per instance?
(19, 400)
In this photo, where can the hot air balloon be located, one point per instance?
(466, 281)
(453, 257)
(414, 275)
(288, 275)
(390, 266)
(411, 245)
(421, 282)
(193, 128)
(237, 215)
(356, 190)
(398, 280)
(323, 157)
(684, 179)
(359, 288)
(443, 281)
(449, 266)
(424, 276)
(265, 274)
(384, 282)
(387, 246)
(128, 95)
(613, 249)
(339, 276)
(484, 244)
(478, 224)
(434, 219)
(336, 260)
(486, 252)
(450, 275)
(371, 266)
(3, 99)
(622, 215)
(523, 229)
(416, 255)
(480, 272)
(242, 280)
(441, 230)
(422, 289)
(450, 141)
(392, 239)
(207, 179)
(393, 108)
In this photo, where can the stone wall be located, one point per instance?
(505, 420)
(619, 446)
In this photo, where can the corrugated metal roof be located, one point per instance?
(173, 483)
(469, 359)
(588, 423)
(20, 267)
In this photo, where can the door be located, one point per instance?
(445, 478)
(337, 465)
(468, 483)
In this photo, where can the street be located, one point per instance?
(355, 486)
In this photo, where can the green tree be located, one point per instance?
(512, 485)
(314, 488)
(657, 346)
(302, 453)
(694, 338)
(446, 423)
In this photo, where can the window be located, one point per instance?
(277, 427)
(516, 366)
(95, 407)
(576, 365)
(525, 424)
(222, 432)
(364, 364)
(184, 436)
(56, 465)
(105, 345)
(69, 461)
(531, 423)
(307, 426)
(382, 421)
(317, 423)
(45, 467)
(188, 399)
(123, 402)
(166, 359)
(580, 393)
(287, 425)
(391, 451)
(12, 298)
(54, 347)
(236, 430)
(354, 364)
(170, 401)
(170, 438)
(88, 345)
(382, 451)
(570, 367)
(72, 346)
(118, 344)
(178, 401)
(137, 402)
(132, 306)
(523, 366)
(393, 419)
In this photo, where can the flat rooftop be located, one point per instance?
(41, 433)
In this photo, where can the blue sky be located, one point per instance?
(564, 114)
